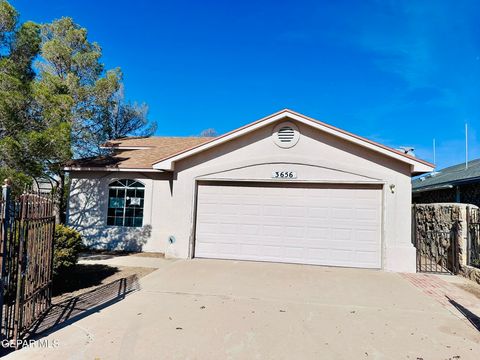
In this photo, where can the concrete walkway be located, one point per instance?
(212, 309)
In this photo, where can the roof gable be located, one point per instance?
(417, 166)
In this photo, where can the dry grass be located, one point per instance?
(149, 255)
(93, 252)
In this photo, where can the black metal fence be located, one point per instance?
(473, 237)
(26, 248)
(437, 248)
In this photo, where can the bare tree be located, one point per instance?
(211, 132)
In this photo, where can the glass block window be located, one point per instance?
(125, 203)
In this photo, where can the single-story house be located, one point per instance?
(285, 188)
(458, 183)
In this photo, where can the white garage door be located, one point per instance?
(294, 223)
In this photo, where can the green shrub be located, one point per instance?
(67, 245)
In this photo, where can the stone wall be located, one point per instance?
(471, 273)
(436, 227)
(447, 218)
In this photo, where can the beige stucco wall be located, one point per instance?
(88, 204)
(317, 157)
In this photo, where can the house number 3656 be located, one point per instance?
(284, 175)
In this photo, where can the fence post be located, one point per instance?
(4, 229)
(469, 237)
(456, 249)
(418, 260)
(22, 238)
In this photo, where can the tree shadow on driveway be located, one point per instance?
(471, 317)
(71, 310)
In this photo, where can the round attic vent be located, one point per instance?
(286, 135)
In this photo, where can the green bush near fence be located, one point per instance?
(67, 245)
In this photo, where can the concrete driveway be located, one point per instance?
(212, 309)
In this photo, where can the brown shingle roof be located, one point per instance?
(149, 151)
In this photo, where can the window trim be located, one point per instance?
(109, 186)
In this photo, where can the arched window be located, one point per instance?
(125, 203)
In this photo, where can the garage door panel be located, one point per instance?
(272, 230)
(317, 233)
(271, 252)
(318, 254)
(253, 219)
(294, 211)
(365, 249)
(272, 210)
(209, 229)
(207, 218)
(314, 225)
(227, 208)
(250, 210)
(366, 236)
(228, 249)
(294, 232)
(322, 245)
(366, 257)
(318, 212)
(294, 254)
(250, 250)
(225, 219)
(225, 229)
(366, 213)
(210, 208)
(246, 229)
(341, 255)
(342, 234)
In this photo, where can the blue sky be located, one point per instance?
(398, 72)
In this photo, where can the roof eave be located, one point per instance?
(447, 184)
(110, 169)
(420, 168)
(433, 188)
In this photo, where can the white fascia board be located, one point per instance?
(421, 168)
(70, 168)
(417, 166)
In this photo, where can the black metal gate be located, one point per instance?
(437, 248)
(26, 247)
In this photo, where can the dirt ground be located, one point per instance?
(84, 278)
(149, 254)
(109, 254)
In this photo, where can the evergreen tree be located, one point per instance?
(67, 108)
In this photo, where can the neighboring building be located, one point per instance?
(458, 183)
(286, 188)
